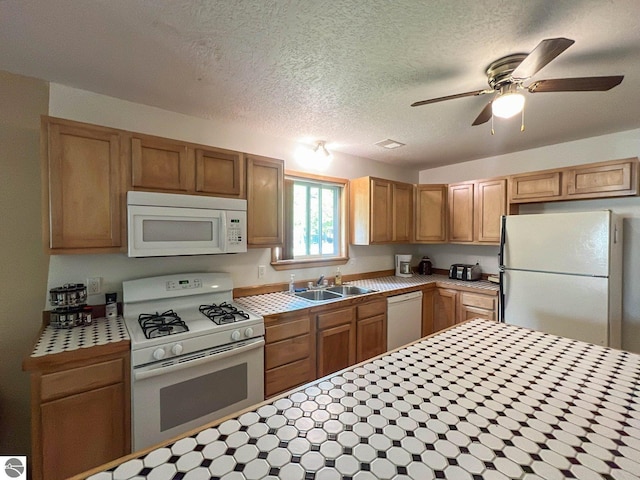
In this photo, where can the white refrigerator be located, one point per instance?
(561, 273)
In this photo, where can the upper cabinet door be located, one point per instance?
(220, 172)
(490, 205)
(402, 212)
(381, 211)
(81, 181)
(461, 212)
(265, 202)
(431, 213)
(160, 164)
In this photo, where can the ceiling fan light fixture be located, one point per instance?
(507, 104)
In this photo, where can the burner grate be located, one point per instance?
(223, 313)
(161, 324)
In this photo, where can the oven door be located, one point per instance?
(170, 398)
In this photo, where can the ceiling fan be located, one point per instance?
(507, 75)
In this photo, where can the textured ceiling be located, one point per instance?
(344, 71)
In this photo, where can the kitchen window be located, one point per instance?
(315, 226)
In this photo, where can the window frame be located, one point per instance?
(343, 248)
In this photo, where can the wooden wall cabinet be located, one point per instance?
(371, 329)
(265, 202)
(289, 351)
(475, 209)
(171, 166)
(336, 340)
(431, 214)
(80, 416)
(83, 204)
(381, 211)
(614, 178)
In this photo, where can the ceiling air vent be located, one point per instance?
(390, 144)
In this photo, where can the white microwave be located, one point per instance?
(166, 224)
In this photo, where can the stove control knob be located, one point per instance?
(248, 332)
(177, 349)
(235, 336)
(159, 353)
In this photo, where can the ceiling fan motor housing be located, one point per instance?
(499, 72)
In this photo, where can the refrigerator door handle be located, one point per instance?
(501, 298)
(503, 226)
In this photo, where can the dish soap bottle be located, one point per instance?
(292, 285)
(338, 279)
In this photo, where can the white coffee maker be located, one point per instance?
(403, 266)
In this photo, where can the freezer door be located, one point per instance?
(570, 306)
(576, 242)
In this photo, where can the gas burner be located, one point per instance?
(161, 324)
(223, 313)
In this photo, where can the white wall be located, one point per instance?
(79, 105)
(595, 149)
(23, 264)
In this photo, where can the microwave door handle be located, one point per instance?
(223, 231)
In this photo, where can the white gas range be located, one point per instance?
(195, 355)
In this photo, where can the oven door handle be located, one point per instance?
(198, 361)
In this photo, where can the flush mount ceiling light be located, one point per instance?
(508, 103)
(314, 156)
(321, 153)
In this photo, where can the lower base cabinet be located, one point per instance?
(80, 417)
(289, 351)
(452, 306)
(336, 340)
(371, 329)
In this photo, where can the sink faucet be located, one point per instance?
(319, 282)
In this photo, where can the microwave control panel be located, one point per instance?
(234, 231)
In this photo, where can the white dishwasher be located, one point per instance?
(404, 319)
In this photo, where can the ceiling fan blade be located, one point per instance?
(485, 115)
(582, 84)
(451, 97)
(546, 51)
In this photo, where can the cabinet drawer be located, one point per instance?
(535, 187)
(81, 379)
(608, 179)
(372, 309)
(288, 376)
(337, 317)
(479, 301)
(286, 351)
(275, 333)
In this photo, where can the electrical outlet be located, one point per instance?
(94, 285)
(261, 270)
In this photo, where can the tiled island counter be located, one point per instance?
(479, 401)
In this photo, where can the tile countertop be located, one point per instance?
(481, 400)
(280, 302)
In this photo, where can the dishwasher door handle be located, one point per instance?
(404, 298)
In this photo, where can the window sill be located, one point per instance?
(310, 263)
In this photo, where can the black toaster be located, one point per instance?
(464, 271)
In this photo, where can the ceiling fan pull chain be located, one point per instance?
(522, 122)
(493, 132)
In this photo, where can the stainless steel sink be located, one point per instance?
(347, 290)
(318, 295)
